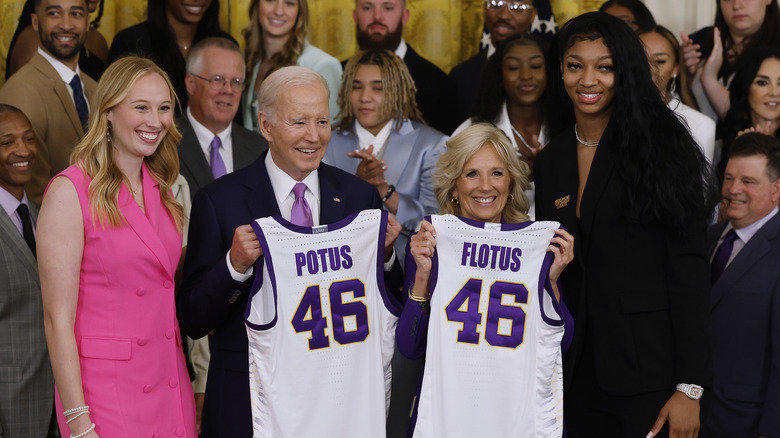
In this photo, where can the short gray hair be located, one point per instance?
(195, 57)
(282, 79)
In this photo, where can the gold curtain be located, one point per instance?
(444, 31)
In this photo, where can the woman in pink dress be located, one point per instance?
(109, 236)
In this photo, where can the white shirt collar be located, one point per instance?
(283, 183)
(205, 136)
(747, 233)
(365, 138)
(9, 203)
(401, 49)
(63, 70)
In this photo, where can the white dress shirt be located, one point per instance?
(205, 137)
(379, 141)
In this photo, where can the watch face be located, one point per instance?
(695, 392)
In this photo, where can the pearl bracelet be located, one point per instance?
(75, 410)
(89, 429)
(77, 416)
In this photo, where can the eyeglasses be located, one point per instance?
(216, 82)
(514, 6)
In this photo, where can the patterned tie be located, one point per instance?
(723, 254)
(217, 165)
(301, 213)
(27, 229)
(81, 103)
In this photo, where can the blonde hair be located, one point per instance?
(94, 154)
(397, 85)
(255, 49)
(460, 149)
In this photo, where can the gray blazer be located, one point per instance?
(411, 154)
(247, 146)
(26, 380)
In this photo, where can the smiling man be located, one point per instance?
(745, 318)
(26, 399)
(223, 248)
(212, 145)
(51, 90)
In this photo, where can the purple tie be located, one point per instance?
(217, 165)
(723, 254)
(301, 213)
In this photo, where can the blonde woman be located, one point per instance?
(275, 38)
(110, 243)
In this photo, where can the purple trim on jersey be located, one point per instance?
(309, 230)
(391, 304)
(504, 226)
(544, 287)
(258, 282)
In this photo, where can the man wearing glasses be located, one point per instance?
(503, 18)
(212, 145)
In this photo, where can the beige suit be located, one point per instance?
(43, 96)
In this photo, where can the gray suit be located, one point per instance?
(247, 146)
(26, 380)
(411, 154)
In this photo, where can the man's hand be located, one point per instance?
(682, 413)
(245, 249)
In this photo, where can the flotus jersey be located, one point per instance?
(493, 360)
(321, 329)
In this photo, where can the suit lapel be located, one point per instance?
(191, 155)
(598, 178)
(260, 198)
(142, 223)
(332, 196)
(398, 150)
(60, 89)
(754, 250)
(10, 234)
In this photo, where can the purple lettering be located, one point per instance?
(311, 258)
(516, 253)
(472, 258)
(345, 250)
(300, 260)
(322, 252)
(494, 250)
(466, 246)
(335, 260)
(484, 255)
(503, 259)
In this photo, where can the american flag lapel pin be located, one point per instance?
(336, 199)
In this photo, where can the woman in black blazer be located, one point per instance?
(624, 176)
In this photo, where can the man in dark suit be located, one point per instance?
(27, 390)
(51, 90)
(223, 248)
(215, 77)
(745, 318)
(379, 24)
(513, 17)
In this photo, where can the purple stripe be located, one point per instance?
(308, 230)
(504, 226)
(390, 302)
(258, 282)
(545, 287)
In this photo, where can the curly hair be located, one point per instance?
(255, 48)
(681, 81)
(460, 149)
(94, 154)
(666, 175)
(397, 85)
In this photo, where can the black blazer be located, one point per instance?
(466, 77)
(744, 331)
(210, 300)
(247, 146)
(639, 294)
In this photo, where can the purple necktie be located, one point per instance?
(217, 165)
(301, 213)
(723, 254)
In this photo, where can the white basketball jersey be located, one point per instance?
(321, 329)
(493, 359)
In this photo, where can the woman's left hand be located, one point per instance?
(564, 253)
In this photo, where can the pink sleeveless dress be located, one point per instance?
(132, 367)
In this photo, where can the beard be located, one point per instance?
(388, 41)
(47, 41)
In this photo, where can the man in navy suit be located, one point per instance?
(745, 318)
(295, 120)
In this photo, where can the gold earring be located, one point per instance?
(454, 201)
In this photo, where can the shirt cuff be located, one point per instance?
(388, 266)
(244, 277)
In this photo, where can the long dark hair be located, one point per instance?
(663, 169)
(490, 89)
(644, 18)
(768, 35)
(738, 117)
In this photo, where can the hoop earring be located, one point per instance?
(454, 201)
(510, 199)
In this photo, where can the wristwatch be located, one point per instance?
(694, 392)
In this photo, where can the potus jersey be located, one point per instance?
(321, 329)
(493, 359)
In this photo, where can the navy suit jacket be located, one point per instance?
(247, 146)
(411, 154)
(745, 338)
(210, 300)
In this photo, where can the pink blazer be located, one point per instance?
(133, 371)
